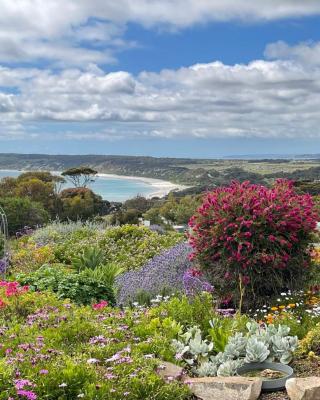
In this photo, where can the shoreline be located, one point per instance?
(161, 187)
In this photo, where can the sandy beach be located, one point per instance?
(162, 188)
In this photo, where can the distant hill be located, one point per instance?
(204, 173)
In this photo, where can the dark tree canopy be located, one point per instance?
(80, 176)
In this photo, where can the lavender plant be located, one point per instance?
(194, 284)
(163, 272)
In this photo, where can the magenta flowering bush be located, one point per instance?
(253, 240)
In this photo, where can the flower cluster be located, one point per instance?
(163, 272)
(11, 289)
(254, 236)
(194, 285)
(101, 305)
(294, 305)
(53, 349)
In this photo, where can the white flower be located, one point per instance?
(92, 361)
(62, 385)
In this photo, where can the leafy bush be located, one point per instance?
(254, 241)
(128, 246)
(81, 203)
(259, 344)
(58, 232)
(91, 257)
(29, 257)
(311, 343)
(80, 288)
(163, 273)
(23, 212)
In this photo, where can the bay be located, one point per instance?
(112, 188)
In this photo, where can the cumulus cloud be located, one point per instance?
(305, 53)
(75, 32)
(278, 98)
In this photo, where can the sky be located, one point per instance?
(178, 78)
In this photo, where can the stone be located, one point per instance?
(303, 388)
(169, 371)
(225, 388)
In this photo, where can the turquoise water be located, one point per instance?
(112, 189)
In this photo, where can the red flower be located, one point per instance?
(100, 306)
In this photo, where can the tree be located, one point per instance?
(80, 176)
(23, 212)
(81, 203)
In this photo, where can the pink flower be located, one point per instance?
(43, 371)
(100, 306)
(28, 394)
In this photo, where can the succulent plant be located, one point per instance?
(207, 368)
(256, 351)
(283, 347)
(229, 367)
(236, 346)
(261, 343)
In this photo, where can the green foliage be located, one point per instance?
(23, 212)
(59, 232)
(73, 353)
(258, 344)
(91, 258)
(127, 246)
(311, 343)
(104, 273)
(80, 203)
(80, 288)
(198, 312)
(80, 176)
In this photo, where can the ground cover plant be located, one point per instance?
(52, 349)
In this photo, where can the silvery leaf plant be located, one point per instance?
(260, 343)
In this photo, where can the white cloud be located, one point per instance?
(278, 98)
(306, 53)
(76, 32)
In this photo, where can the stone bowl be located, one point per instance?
(271, 385)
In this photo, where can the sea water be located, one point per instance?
(110, 188)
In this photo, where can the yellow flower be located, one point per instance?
(292, 305)
(274, 308)
(282, 307)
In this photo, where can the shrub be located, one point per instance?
(254, 240)
(311, 343)
(58, 232)
(23, 212)
(80, 288)
(81, 203)
(164, 273)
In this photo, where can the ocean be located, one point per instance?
(110, 188)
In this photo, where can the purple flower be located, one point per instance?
(4, 263)
(28, 394)
(164, 273)
(194, 285)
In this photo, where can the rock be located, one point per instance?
(225, 388)
(169, 371)
(303, 388)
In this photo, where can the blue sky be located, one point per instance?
(163, 78)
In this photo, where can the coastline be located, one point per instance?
(162, 188)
